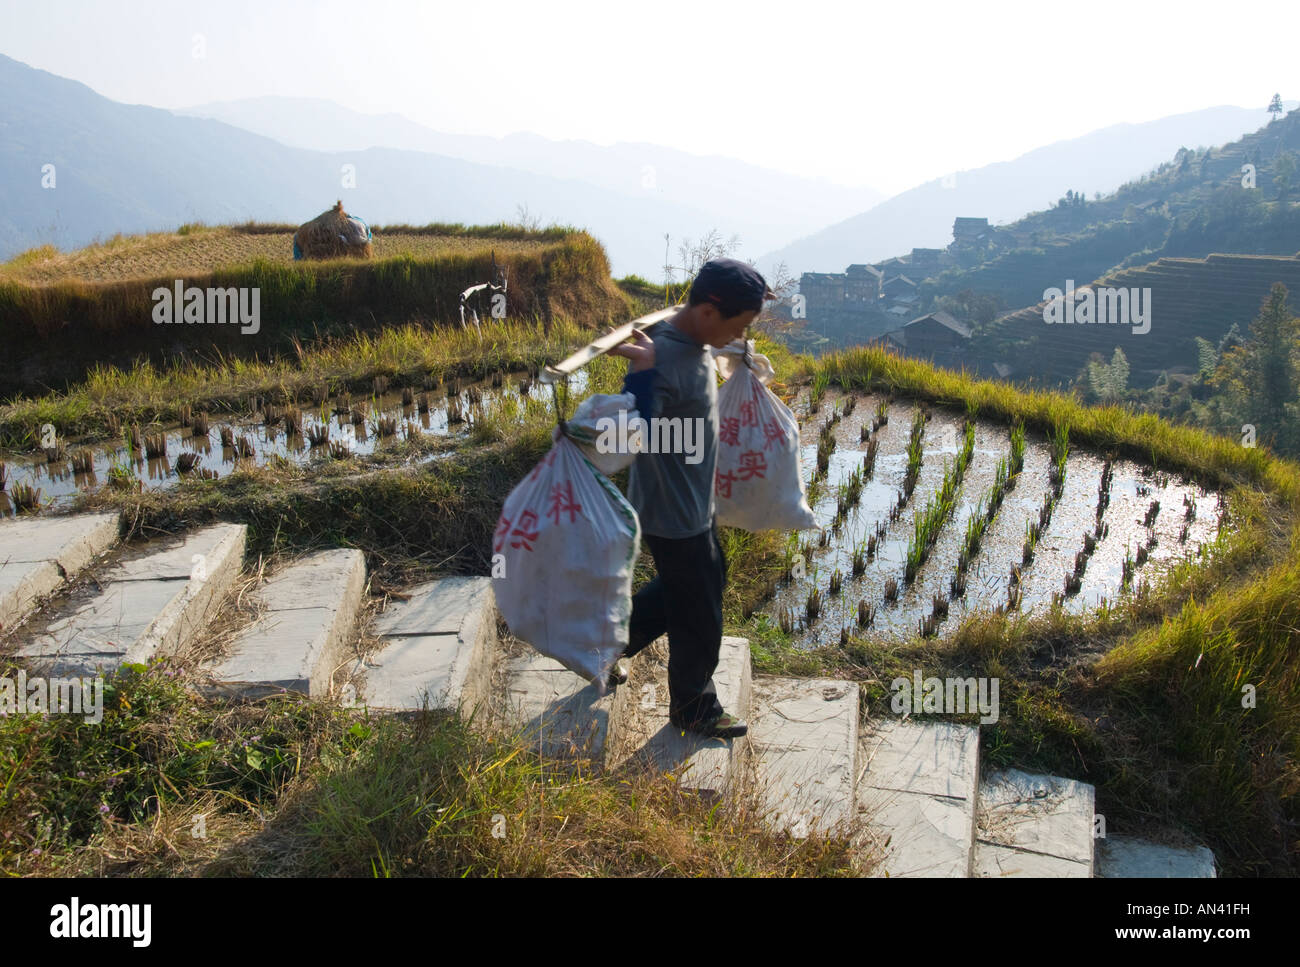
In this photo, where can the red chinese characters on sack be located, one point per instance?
(722, 482)
(527, 519)
(562, 502)
(772, 433)
(749, 413)
(752, 464)
(502, 531)
(729, 431)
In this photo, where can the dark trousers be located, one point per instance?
(684, 601)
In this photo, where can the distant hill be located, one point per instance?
(922, 217)
(122, 168)
(764, 207)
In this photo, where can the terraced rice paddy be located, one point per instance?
(342, 426)
(855, 574)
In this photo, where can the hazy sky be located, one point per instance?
(887, 95)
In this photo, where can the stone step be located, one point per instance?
(804, 736)
(437, 652)
(1123, 856)
(1034, 825)
(305, 632)
(701, 764)
(39, 554)
(562, 712)
(917, 794)
(150, 603)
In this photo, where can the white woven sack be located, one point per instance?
(758, 485)
(568, 541)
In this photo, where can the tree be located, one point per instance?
(1284, 169)
(1260, 377)
(1109, 380)
(1275, 107)
(692, 255)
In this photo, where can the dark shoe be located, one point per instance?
(725, 726)
(618, 674)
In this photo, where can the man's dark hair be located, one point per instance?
(733, 286)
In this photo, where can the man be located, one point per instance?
(671, 373)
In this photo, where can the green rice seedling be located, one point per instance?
(891, 589)
(881, 416)
(134, 442)
(866, 614)
(939, 606)
(186, 462)
(1017, 463)
(1015, 576)
(928, 626)
(869, 459)
(26, 498)
(155, 445)
(83, 461)
(1014, 596)
(958, 584)
(864, 433)
(823, 457)
(837, 581)
(850, 404)
(820, 381)
(786, 619)
(1058, 599)
(386, 426)
(813, 605)
(859, 560)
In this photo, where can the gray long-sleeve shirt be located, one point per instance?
(672, 490)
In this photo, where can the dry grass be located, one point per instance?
(209, 249)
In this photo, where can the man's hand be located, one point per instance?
(640, 351)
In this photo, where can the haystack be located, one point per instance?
(333, 234)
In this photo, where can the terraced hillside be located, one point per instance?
(1189, 298)
(63, 315)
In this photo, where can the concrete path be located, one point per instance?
(438, 649)
(39, 554)
(151, 602)
(305, 632)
